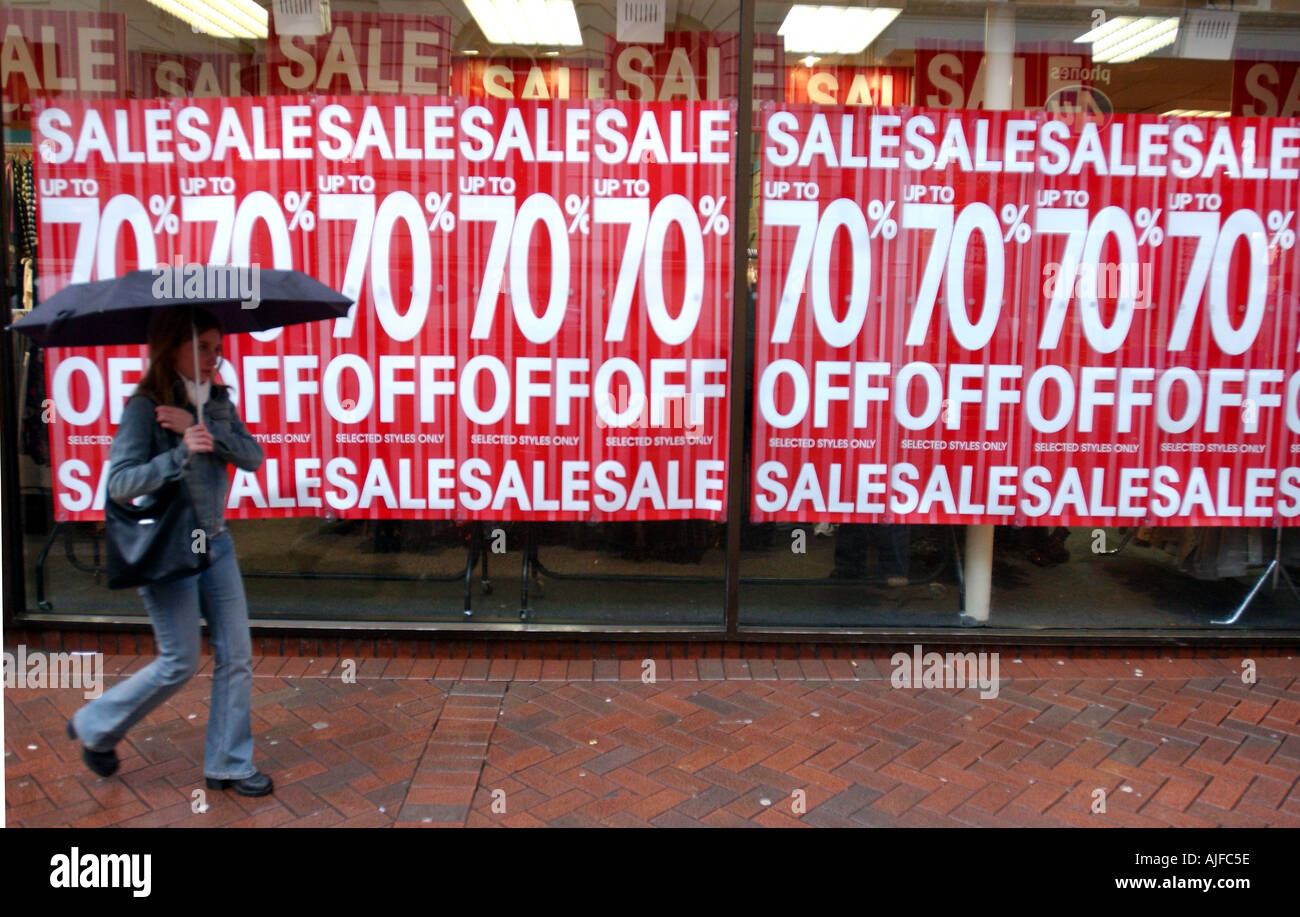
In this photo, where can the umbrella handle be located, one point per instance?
(194, 341)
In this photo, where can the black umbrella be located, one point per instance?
(118, 311)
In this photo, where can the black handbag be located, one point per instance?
(152, 539)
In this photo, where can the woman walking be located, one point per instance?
(158, 442)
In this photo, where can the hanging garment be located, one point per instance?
(1220, 553)
(35, 432)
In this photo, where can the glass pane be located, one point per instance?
(528, 408)
(965, 316)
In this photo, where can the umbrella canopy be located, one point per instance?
(118, 311)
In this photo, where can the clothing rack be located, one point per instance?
(22, 233)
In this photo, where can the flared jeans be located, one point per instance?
(174, 608)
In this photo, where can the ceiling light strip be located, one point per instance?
(1143, 43)
(1122, 42)
(1106, 28)
(216, 19)
(1129, 26)
(565, 18)
(527, 22)
(834, 29)
(1143, 49)
(224, 10)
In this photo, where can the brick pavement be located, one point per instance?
(1170, 740)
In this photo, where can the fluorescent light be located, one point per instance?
(1194, 113)
(798, 29)
(1157, 34)
(1151, 44)
(526, 22)
(1108, 27)
(1126, 38)
(834, 29)
(1134, 28)
(862, 27)
(516, 23)
(489, 23)
(565, 18)
(539, 21)
(219, 18)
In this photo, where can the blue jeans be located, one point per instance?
(174, 608)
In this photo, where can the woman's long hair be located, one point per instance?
(168, 331)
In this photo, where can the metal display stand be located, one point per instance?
(1274, 569)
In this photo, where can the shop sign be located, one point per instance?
(527, 78)
(852, 86)
(195, 76)
(1266, 88)
(364, 53)
(58, 54)
(958, 78)
(544, 296)
(1005, 317)
(685, 66)
(691, 66)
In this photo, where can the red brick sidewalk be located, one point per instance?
(1169, 741)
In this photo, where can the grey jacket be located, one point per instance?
(144, 456)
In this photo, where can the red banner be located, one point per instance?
(527, 79)
(697, 66)
(196, 76)
(1007, 318)
(692, 65)
(364, 53)
(685, 66)
(852, 86)
(958, 78)
(543, 318)
(56, 54)
(1269, 89)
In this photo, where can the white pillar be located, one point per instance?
(999, 49)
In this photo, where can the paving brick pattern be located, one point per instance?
(1170, 741)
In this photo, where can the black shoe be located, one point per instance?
(103, 763)
(257, 785)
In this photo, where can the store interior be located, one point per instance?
(800, 577)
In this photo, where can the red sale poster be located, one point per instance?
(58, 54)
(1268, 88)
(691, 65)
(852, 86)
(1002, 317)
(364, 52)
(542, 327)
(527, 79)
(957, 78)
(686, 65)
(195, 76)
